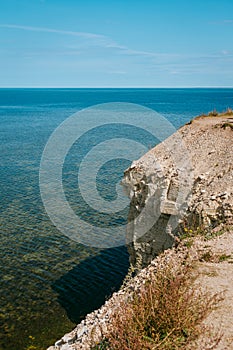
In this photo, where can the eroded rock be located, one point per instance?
(186, 180)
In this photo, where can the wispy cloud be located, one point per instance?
(221, 22)
(148, 54)
(155, 61)
(120, 72)
(225, 52)
(94, 40)
(57, 31)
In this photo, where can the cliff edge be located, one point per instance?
(186, 184)
(187, 180)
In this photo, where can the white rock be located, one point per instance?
(59, 343)
(69, 338)
(81, 332)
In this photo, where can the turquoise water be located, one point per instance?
(47, 278)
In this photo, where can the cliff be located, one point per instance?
(184, 183)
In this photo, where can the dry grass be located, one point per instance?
(165, 314)
(214, 113)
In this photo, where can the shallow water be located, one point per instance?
(46, 278)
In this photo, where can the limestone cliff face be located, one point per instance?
(186, 180)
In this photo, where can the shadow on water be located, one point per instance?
(85, 288)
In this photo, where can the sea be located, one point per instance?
(50, 281)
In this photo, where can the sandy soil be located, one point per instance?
(217, 277)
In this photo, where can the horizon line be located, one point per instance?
(116, 87)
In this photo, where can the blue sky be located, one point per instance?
(96, 43)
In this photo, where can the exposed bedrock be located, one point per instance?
(187, 180)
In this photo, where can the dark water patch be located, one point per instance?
(101, 275)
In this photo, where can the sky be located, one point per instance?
(99, 43)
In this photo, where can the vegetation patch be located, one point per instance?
(207, 257)
(215, 113)
(224, 257)
(227, 125)
(166, 313)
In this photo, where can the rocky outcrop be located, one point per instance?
(185, 181)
